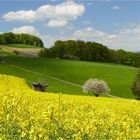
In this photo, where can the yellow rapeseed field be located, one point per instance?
(29, 115)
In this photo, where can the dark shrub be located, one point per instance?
(1, 59)
(136, 86)
(16, 52)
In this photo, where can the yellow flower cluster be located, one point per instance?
(26, 114)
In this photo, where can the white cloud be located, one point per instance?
(57, 23)
(127, 38)
(115, 7)
(48, 40)
(20, 16)
(88, 33)
(25, 29)
(58, 15)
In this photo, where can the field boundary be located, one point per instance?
(64, 81)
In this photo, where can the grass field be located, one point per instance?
(26, 114)
(5, 53)
(21, 46)
(20, 49)
(54, 85)
(118, 77)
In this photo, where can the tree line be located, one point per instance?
(90, 51)
(11, 38)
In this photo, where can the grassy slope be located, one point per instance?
(21, 46)
(119, 77)
(54, 85)
(5, 53)
(22, 49)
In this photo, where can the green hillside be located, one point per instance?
(20, 49)
(119, 77)
(21, 46)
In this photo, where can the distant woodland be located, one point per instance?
(75, 50)
(90, 51)
(11, 38)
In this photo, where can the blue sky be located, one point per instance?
(114, 23)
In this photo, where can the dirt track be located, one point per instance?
(31, 52)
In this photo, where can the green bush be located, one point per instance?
(136, 86)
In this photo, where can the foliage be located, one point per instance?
(11, 38)
(96, 87)
(26, 114)
(136, 86)
(90, 51)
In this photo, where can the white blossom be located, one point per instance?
(96, 87)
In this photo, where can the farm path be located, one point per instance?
(47, 76)
(30, 52)
(63, 81)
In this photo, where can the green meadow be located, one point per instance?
(118, 77)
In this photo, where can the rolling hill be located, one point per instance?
(21, 49)
(54, 71)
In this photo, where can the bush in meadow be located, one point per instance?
(136, 86)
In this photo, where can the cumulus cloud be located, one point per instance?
(116, 7)
(48, 40)
(57, 23)
(127, 38)
(25, 29)
(21, 15)
(58, 15)
(89, 33)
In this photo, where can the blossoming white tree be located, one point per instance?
(96, 87)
